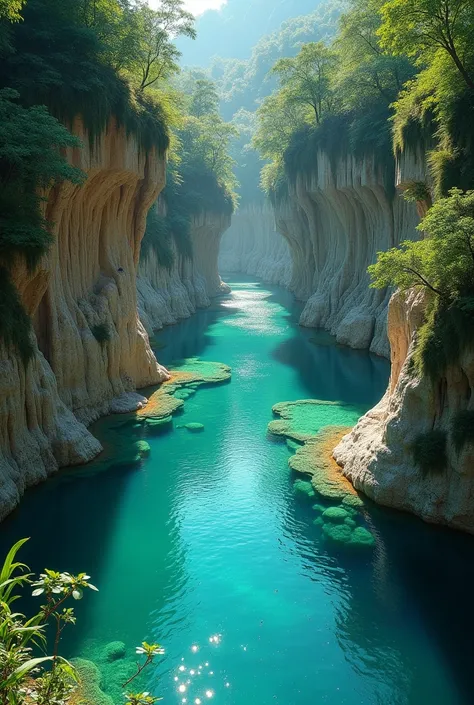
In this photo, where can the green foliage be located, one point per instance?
(429, 452)
(416, 192)
(204, 99)
(306, 78)
(10, 10)
(462, 429)
(443, 264)
(158, 237)
(15, 324)
(101, 333)
(47, 680)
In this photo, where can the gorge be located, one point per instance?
(236, 335)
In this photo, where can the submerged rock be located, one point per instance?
(336, 515)
(89, 689)
(143, 448)
(362, 537)
(340, 533)
(114, 651)
(353, 500)
(301, 487)
(302, 420)
(194, 427)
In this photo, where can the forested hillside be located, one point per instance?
(232, 31)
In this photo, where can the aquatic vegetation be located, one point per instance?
(362, 537)
(353, 500)
(292, 445)
(89, 691)
(114, 651)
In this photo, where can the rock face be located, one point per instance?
(92, 350)
(166, 296)
(377, 455)
(335, 221)
(253, 245)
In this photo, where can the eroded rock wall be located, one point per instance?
(377, 455)
(335, 221)
(253, 245)
(92, 351)
(167, 296)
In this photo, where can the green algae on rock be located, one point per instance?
(302, 487)
(89, 691)
(302, 420)
(166, 399)
(194, 427)
(340, 533)
(336, 514)
(114, 651)
(362, 537)
(143, 448)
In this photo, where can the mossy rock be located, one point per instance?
(143, 448)
(350, 522)
(336, 514)
(114, 651)
(320, 508)
(362, 537)
(89, 691)
(194, 427)
(353, 500)
(339, 533)
(319, 521)
(303, 488)
(302, 420)
(157, 425)
(292, 445)
(182, 394)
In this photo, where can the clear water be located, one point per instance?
(207, 538)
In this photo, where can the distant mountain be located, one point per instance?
(232, 31)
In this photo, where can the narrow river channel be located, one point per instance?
(205, 544)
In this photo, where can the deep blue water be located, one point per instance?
(206, 537)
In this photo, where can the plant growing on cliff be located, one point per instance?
(442, 263)
(462, 429)
(27, 674)
(429, 452)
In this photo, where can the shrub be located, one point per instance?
(101, 333)
(462, 429)
(429, 452)
(26, 674)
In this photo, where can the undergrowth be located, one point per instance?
(462, 429)
(429, 452)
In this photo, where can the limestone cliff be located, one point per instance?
(335, 220)
(92, 352)
(253, 245)
(377, 455)
(166, 296)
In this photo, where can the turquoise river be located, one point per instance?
(205, 543)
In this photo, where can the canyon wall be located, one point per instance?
(335, 220)
(91, 350)
(167, 295)
(254, 246)
(377, 455)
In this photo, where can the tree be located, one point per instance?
(418, 28)
(306, 77)
(367, 71)
(10, 10)
(205, 99)
(442, 262)
(156, 56)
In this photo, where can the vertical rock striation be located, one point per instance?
(166, 296)
(92, 351)
(253, 245)
(335, 220)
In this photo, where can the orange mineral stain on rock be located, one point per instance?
(315, 459)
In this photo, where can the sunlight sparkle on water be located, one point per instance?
(209, 693)
(194, 648)
(182, 688)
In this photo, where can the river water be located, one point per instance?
(205, 547)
